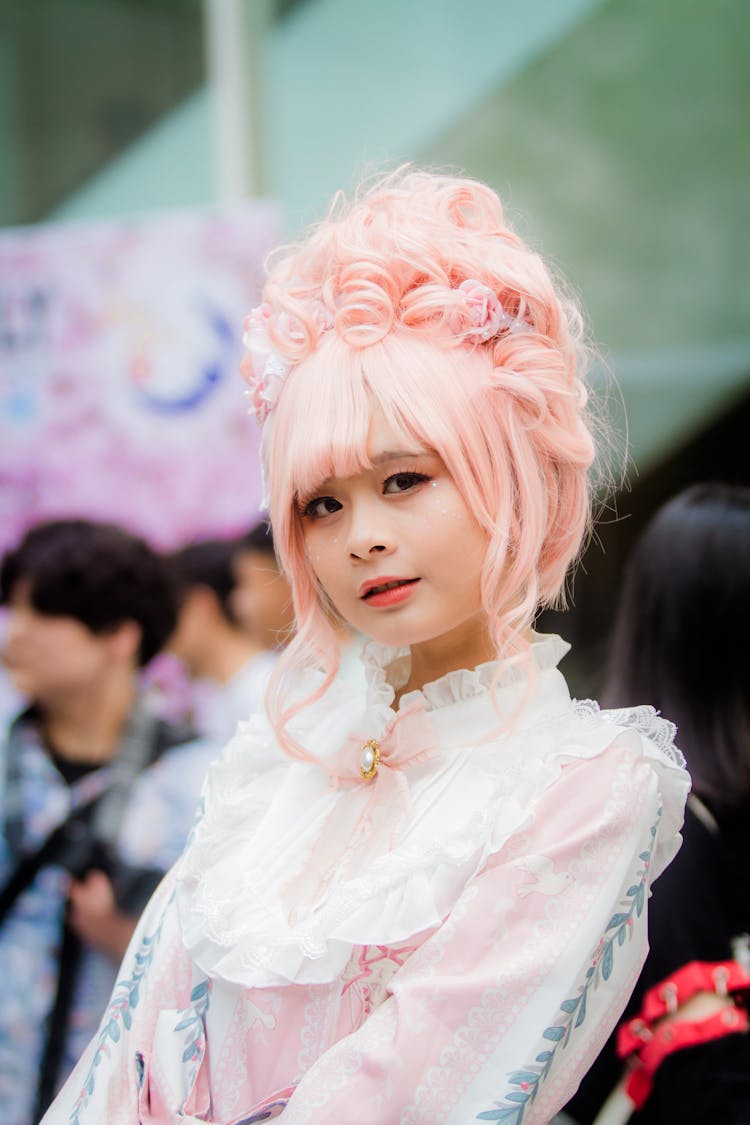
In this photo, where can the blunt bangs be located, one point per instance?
(430, 397)
(320, 426)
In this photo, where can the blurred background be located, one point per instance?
(152, 151)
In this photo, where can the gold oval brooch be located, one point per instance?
(369, 759)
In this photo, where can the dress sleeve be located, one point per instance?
(105, 1084)
(499, 1013)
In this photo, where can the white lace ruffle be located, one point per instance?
(646, 720)
(269, 889)
(387, 669)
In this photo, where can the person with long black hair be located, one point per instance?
(679, 643)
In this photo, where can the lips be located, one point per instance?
(380, 585)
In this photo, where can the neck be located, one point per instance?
(465, 647)
(86, 725)
(223, 654)
(344, 634)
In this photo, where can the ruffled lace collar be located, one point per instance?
(387, 670)
(294, 864)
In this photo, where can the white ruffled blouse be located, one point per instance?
(447, 935)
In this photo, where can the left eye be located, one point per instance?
(402, 482)
(321, 507)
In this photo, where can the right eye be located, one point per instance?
(321, 507)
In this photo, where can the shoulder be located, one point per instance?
(640, 732)
(627, 763)
(636, 726)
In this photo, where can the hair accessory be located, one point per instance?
(265, 370)
(487, 315)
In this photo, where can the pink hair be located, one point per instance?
(508, 417)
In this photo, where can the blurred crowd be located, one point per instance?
(101, 764)
(102, 768)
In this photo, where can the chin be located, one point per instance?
(397, 636)
(20, 683)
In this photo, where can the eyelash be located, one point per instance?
(307, 508)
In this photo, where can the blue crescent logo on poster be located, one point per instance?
(209, 375)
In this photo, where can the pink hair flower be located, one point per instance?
(322, 316)
(291, 328)
(486, 314)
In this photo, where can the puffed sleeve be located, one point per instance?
(107, 1082)
(500, 1012)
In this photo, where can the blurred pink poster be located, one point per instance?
(120, 394)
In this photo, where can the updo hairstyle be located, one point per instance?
(378, 307)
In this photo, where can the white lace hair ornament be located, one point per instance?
(266, 370)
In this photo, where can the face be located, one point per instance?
(398, 552)
(261, 599)
(188, 640)
(49, 656)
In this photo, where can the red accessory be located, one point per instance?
(648, 1038)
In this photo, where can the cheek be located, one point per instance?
(326, 580)
(242, 605)
(448, 517)
(463, 546)
(90, 657)
(319, 557)
(330, 581)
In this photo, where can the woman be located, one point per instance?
(429, 904)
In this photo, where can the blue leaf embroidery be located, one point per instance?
(574, 1007)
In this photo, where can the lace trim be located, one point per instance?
(645, 719)
(387, 670)
(313, 938)
(235, 925)
(388, 882)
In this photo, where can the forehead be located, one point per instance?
(385, 443)
(19, 595)
(356, 405)
(386, 440)
(51, 628)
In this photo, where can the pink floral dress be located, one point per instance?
(448, 938)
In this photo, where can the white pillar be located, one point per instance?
(235, 34)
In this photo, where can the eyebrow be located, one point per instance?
(388, 455)
(396, 455)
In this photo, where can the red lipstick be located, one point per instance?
(387, 590)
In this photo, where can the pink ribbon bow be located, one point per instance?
(407, 741)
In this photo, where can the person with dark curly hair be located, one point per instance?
(98, 792)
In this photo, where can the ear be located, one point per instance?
(203, 600)
(124, 641)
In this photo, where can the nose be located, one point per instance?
(369, 532)
(11, 631)
(12, 625)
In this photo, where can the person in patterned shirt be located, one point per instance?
(98, 793)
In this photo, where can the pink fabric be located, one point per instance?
(409, 728)
(439, 1029)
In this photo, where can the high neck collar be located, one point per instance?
(387, 670)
